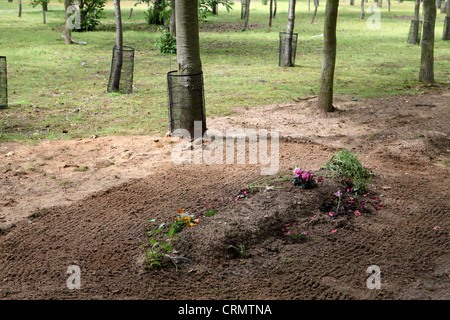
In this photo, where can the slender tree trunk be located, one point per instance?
(270, 13)
(189, 62)
(380, 3)
(389, 5)
(446, 33)
(158, 11)
(275, 9)
(362, 10)
(172, 22)
(119, 47)
(426, 73)
(214, 8)
(289, 35)
(352, 2)
(325, 101)
(20, 8)
(415, 35)
(45, 6)
(309, 5)
(316, 5)
(246, 15)
(67, 30)
(44, 18)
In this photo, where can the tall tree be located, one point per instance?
(246, 15)
(316, 5)
(325, 101)
(446, 33)
(426, 73)
(119, 48)
(20, 8)
(362, 10)
(172, 21)
(67, 30)
(289, 35)
(189, 62)
(414, 39)
(270, 13)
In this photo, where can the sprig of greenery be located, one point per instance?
(346, 163)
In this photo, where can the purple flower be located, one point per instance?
(338, 193)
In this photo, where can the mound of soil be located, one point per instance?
(243, 251)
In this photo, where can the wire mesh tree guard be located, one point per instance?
(186, 101)
(282, 57)
(127, 69)
(446, 33)
(415, 31)
(3, 83)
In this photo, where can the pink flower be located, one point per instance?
(333, 231)
(245, 192)
(436, 228)
(319, 179)
(331, 213)
(357, 213)
(338, 193)
(356, 229)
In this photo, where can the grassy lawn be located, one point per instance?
(48, 80)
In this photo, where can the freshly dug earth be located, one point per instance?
(405, 145)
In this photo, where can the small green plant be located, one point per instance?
(346, 164)
(240, 250)
(158, 251)
(166, 43)
(81, 169)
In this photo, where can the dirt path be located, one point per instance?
(91, 199)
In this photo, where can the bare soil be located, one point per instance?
(88, 202)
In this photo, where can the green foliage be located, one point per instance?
(240, 250)
(91, 11)
(206, 7)
(43, 3)
(158, 13)
(166, 43)
(345, 163)
(158, 251)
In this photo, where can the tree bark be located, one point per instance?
(446, 33)
(325, 102)
(246, 15)
(67, 30)
(172, 22)
(426, 73)
(289, 35)
(119, 47)
(270, 13)
(44, 18)
(189, 63)
(316, 5)
(20, 8)
(362, 10)
(275, 9)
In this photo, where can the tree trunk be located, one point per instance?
(270, 13)
(275, 9)
(67, 30)
(158, 11)
(325, 101)
(119, 48)
(446, 33)
(189, 62)
(246, 15)
(20, 8)
(289, 35)
(214, 8)
(44, 18)
(316, 5)
(172, 22)
(427, 51)
(352, 2)
(309, 5)
(380, 3)
(45, 6)
(389, 5)
(362, 10)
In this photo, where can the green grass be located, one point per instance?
(48, 80)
